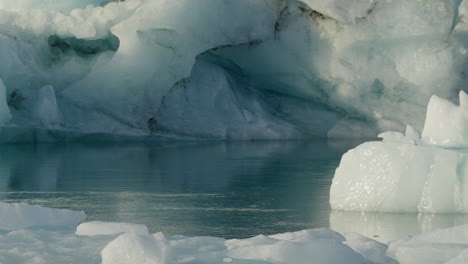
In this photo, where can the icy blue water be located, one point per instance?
(233, 189)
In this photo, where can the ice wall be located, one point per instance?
(286, 69)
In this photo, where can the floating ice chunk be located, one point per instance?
(317, 246)
(110, 228)
(369, 248)
(320, 245)
(5, 114)
(394, 176)
(132, 248)
(400, 177)
(446, 124)
(21, 216)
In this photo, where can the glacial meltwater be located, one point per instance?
(223, 189)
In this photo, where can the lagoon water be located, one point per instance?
(223, 189)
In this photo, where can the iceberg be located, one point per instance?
(408, 172)
(248, 69)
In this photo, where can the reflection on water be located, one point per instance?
(234, 189)
(226, 189)
(385, 227)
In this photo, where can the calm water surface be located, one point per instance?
(231, 190)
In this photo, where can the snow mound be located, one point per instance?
(406, 173)
(109, 228)
(21, 216)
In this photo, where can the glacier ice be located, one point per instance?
(409, 172)
(291, 69)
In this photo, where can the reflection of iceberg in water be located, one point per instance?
(385, 227)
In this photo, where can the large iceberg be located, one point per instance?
(277, 69)
(408, 172)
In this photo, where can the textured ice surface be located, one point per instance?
(318, 246)
(21, 216)
(245, 69)
(406, 173)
